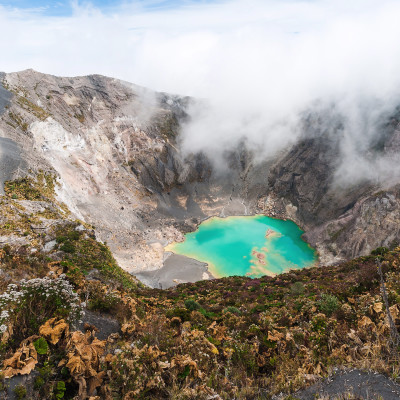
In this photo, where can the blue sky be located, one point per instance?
(45, 6)
(64, 8)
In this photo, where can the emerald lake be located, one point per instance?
(247, 246)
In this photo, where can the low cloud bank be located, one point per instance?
(260, 66)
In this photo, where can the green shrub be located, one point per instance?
(192, 305)
(59, 390)
(39, 383)
(318, 323)
(102, 302)
(20, 392)
(61, 239)
(245, 357)
(68, 247)
(72, 235)
(207, 314)
(297, 289)
(380, 251)
(232, 310)
(44, 375)
(328, 304)
(88, 254)
(41, 346)
(31, 303)
(185, 373)
(181, 313)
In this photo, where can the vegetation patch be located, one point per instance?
(18, 120)
(87, 254)
(32, 108)
(27, 305)
(28, 188)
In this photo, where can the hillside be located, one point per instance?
(95, 185)
(228, 338)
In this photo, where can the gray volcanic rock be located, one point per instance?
(5, 95)
(177, 269)
(305, 175)
(353, 383)
(112, 146)
(10, 160)
(342, 222)
(372, 222)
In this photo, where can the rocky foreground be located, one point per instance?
(75, 325)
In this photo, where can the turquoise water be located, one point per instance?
(247, 246)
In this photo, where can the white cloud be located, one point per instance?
(259, 62)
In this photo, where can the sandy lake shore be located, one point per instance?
(177, 269)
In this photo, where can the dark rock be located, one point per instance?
(5, 95)
(363, 385)
(10, 159)
(26, 381)
(94, 275)
(105, 324)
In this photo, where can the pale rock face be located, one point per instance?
(88, 139)
(82, 159)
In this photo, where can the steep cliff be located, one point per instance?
(342, 219)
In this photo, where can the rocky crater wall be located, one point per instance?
(115, 149)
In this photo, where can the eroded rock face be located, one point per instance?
(5, 95)
(115, 148)
(89, 131)
(10, 159)
(341, 221)
(372, 222)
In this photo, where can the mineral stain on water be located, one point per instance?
(247, 246)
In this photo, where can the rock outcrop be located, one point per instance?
(341, 220)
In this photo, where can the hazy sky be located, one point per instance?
(191, 46)
(258, 62)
